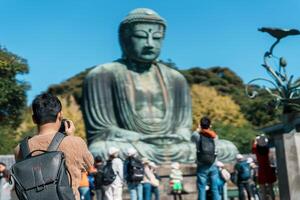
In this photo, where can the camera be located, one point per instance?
(62, 128)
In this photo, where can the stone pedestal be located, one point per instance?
(286, 138)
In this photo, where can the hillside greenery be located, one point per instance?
(216, 92)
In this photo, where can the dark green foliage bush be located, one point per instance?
(242, 137)
(12, 97)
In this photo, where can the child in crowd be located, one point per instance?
(176, 180)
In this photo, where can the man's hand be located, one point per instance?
(69, 127)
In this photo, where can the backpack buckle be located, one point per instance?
(40, 188)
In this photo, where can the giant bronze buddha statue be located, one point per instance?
(137, 101)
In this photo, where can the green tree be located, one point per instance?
(12, 97)
(226, 82)
(242, 137)
(206, 101)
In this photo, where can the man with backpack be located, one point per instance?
(134, 174)
(206, 156)
(243, 172)
(112, 177)
(49, 164)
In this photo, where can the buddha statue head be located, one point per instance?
(141, 34)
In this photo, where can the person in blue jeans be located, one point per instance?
(207, 171)
(208, 174)
(135, 188)
(135, 191)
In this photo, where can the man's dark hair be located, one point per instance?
(205, 122)
(98, 159)
(45, 108)
(3, 164)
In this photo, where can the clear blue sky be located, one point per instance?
(61, 38)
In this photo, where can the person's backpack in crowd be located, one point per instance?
(244, 171)
(44, 176)
(206, 150)
(108, 175)
(98, 177)
(135, 170)
(262, 145)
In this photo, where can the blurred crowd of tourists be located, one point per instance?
(104, 179)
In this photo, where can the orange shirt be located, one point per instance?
(208, 133)
(84, 180)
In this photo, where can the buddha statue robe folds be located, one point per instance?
(149, 110)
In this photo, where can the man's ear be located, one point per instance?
(59, 116)
(33, 119)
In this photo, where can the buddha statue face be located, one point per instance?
(142, 41)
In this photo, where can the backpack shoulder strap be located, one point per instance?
(199, 145)
(24, 147)
(56, 141)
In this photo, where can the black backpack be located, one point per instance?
(108, 175)
(206, 150)
(98, 177)
(244, 171)
(44, 176)
(135, 170)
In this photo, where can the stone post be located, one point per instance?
(286, 137)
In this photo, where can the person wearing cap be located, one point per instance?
(176, 180)
(223, 178)
(135, 187)
(243, 171)
(155, 186)
(138, 101)
(149, 179)
(115, 189)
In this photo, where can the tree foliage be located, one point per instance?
(242, 137)
(12, 97)
(226, 82)
(206, 101)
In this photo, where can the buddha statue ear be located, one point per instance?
(124, 34)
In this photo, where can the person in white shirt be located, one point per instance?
(115, 189)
